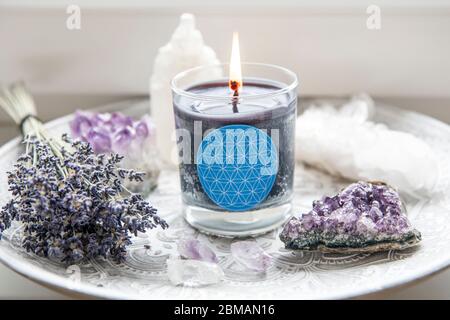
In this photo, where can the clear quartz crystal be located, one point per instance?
(347, 142)
(251, 255)
(145, 160)
(185, 49)
(193, 273)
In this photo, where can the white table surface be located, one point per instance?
(15, 286)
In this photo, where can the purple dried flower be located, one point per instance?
(196, 250)
(72, 205)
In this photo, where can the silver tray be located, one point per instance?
(294, 275)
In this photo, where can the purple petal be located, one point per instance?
(196, 250)
(251, 255)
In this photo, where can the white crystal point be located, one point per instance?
(345, 142)
(360, 108)
(186, 49)
(193, 273)
(187, 20)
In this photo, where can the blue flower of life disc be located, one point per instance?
(237, 166)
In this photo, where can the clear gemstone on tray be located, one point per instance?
(193, 273)
(251, 255)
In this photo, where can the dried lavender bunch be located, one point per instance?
(71, 200)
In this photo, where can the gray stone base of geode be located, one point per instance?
(332, 244)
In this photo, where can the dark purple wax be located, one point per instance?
(267, 112)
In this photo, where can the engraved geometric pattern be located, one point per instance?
(242, 173)
(293, 275)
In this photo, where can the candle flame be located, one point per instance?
(235, 65)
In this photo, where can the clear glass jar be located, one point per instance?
(237, 154)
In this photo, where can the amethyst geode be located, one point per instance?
(364, 217)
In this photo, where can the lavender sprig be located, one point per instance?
(72, 207)
(70, 200)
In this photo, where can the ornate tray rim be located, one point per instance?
(55, 282)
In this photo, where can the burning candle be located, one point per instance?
(235, 79)
(235, 139)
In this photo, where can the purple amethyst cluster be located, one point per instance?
(110, 132)
(118, 133)
(362, 217)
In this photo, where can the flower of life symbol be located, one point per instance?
(237, 166)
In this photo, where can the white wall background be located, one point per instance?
(327, 44)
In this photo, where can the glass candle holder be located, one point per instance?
(236, 153)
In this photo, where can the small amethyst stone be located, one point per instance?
(195, 250)
(251, 255)
(364, 217)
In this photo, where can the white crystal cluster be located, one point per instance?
(186, 49)
(345, 142)
(193, 273)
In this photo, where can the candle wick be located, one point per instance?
(235, 101)
(234, 85)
